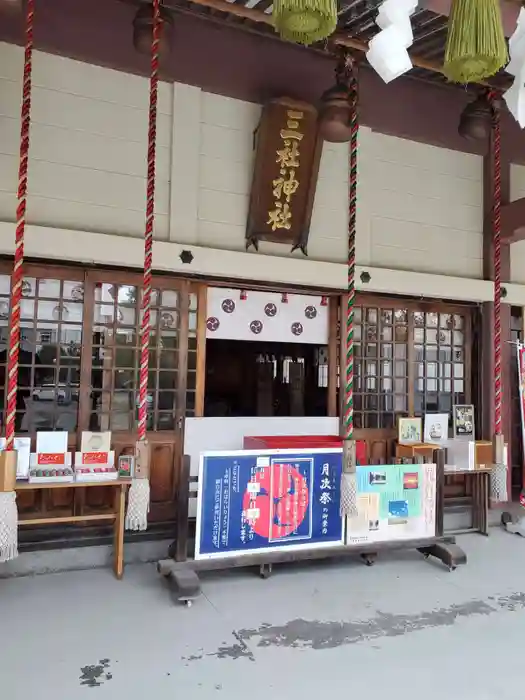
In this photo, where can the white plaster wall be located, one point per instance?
(517, 250)
(215, 141)
(88, 149)
(202, 434)
(415, 202)
(422, 207)
(419, 207)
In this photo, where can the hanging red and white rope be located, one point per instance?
(17, 278)
(349, 477)
(496, 224)
(150, 219)
(352, 221)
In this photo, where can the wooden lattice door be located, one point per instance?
(80, 334)
(111, 370)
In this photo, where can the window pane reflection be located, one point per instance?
(380, 384)
(438, 362)
(50, 354)
(116, 358)
(381, 363)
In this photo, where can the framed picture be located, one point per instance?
(436, 427)
(409, 430)
(464, 421)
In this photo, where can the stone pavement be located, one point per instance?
(405, 628)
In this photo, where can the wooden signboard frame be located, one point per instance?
(182, 573)
(286, 168)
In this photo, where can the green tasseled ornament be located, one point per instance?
(305, 21)
(476, 46)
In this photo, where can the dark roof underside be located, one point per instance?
(357, 21)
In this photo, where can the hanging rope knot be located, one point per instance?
(354, 79)
(345, 69)
(495, 99)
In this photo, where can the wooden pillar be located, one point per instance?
(333, 369)
(296, 388)
(487, 322)
(265, 385)
(200, 380)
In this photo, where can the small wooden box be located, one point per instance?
(483, 454)
(415, 449)
(8, 471)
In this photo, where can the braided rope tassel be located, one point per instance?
(349, 477)
(17, 279)
(150, 218)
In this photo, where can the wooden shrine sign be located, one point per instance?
(288, 151)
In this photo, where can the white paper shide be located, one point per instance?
(388, 51)
(515, 95)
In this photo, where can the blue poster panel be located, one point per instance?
(259, 500)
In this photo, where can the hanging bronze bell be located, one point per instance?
(475, 121)
(335, 113)
(143, 30)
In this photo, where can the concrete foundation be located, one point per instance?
(79, 558)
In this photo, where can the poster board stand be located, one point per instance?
(515, 522)
(182, 574)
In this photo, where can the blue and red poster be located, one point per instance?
(258, 500)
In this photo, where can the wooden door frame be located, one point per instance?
(89, 276)
(333, 369)
(43, 271)
(333, 320)
(184, 287)
(200, 385)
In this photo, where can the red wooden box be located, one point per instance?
(301, 442)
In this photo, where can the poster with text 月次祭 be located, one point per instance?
(234, 314)
(258, 501)
(395, 502)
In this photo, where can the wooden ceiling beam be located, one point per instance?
(339, 38)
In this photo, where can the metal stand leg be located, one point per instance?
(446, 551)
(265, 570)
(516, 527)
(369, 558)
(184, 583)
